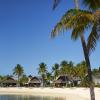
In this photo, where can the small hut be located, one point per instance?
(61, 81)
(34, 82)
(9, 82)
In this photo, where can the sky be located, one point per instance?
(25, 27)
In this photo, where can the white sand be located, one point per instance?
(68, 93)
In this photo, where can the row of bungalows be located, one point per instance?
(11, 82)
(64, 81)
(61, 81)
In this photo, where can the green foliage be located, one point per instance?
(42, 68)
(81, 69)
(85, 82)
(18, 71)
(67, 68)
(96, 71)
(92, 4)
(48, 79)
(55, 70)
(42, 71)
(24, 79)
(1, 77)
(48, 76)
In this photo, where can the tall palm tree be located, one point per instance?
(18, 71)
(42, 71)
(79, 20)
(55, 70)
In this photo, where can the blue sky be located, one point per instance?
(25, 27)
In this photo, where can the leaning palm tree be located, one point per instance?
(18, 71)
(78, 20)
(42, 71)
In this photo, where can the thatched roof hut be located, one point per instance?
(35, 81)
(62, 80)
(9, 81)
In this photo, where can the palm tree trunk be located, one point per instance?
(18, 81)
(42, 80)
(86, 55)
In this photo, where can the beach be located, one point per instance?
(68, 93)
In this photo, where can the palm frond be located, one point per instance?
(57, 29)
(92, 4)
(76, 32)
(55, 3)
(92, 39)
(77, 20)
(95, 33)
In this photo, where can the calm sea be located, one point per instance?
(19, 97)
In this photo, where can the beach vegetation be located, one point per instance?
(18, 71)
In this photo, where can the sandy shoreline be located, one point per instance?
(71, 93)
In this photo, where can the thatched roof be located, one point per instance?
(9, 80)
(62, 79)
(34, 80)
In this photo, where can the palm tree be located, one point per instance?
(42, 71)
(55, 70)
(18, 71)
(64, 70)
(79, 20)
(67, 68)
(81, 69)
(23, 79)
(48, 77)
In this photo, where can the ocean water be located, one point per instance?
(24, 97)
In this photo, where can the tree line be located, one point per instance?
(64, 68)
